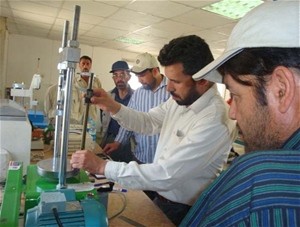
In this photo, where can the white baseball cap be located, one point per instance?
(144, 61)
(272, 24)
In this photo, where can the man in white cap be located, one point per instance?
(261, 69)
(151, 94)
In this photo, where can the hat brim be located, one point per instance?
(111, 71)
(137, 70)
(210, 72)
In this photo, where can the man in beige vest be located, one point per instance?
(80, 84)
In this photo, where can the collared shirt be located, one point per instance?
(77, 104)
(82, 86)
(261, 188)
(143, 100)
(193, 146)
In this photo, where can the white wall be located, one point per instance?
(3, 54)
(22, 62)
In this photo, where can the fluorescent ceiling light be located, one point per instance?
(233, 9)
(129, 40)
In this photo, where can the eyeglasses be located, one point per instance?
(119, 75)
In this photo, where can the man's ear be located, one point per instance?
(202, 82)
(203, 85)
(155, 71)
(284, 87)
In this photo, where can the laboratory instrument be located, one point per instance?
(50, 197)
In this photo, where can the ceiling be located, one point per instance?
(154, 23)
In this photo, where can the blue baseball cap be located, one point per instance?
(119, 65)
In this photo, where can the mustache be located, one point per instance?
(173, 94)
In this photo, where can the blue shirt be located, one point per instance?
(114, 126)
(261, 188)
(143, 100)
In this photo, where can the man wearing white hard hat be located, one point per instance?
(261, 69)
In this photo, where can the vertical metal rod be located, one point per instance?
(65, 128)
(76, 22)
(65, 34)
(67, 106)
(59, 104)
(86, 115)
(58, 118)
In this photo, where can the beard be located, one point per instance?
(190, 98)
(151, 84)
(259, 132)
(121, 85)
(147, 87)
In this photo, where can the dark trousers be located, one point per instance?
(123, 154)
(174, 211)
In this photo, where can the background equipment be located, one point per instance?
(15, 132)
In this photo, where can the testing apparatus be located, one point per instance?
(48, 188)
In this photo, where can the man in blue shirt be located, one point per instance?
(110, 127)
(261, 69)
(152, 93)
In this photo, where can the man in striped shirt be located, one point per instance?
(261, 69)
(152, 93)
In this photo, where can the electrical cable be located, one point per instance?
(124, 200)
(57, 219)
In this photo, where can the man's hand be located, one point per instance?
(111, 147)
(89, 161)
(104, 101)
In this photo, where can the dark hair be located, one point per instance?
(86, 57)
(259, 63)
(192, 51)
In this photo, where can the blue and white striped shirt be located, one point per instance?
(143, 100)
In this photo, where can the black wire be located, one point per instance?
(57, 219)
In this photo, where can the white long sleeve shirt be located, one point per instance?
(193, 146)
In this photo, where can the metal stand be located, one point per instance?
(58, 167)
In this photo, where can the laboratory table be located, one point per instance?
(139, 210)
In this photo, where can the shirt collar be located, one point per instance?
(162, 84)
(293, 142)
(204, 100)
(130, 90)
(78, 77)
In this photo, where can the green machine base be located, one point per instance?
(35, 184)
(12, 196)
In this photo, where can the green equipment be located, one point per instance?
(12, 196)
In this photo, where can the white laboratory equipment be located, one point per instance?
(19, 90)
(15, 132)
